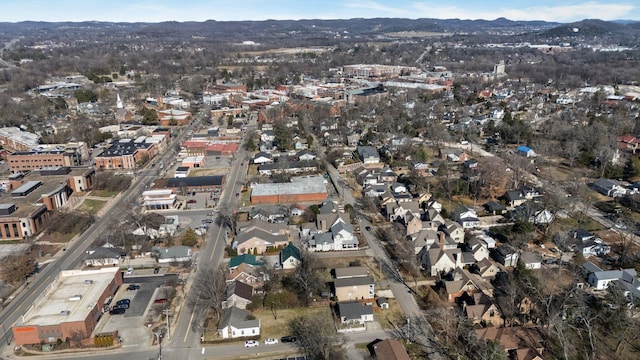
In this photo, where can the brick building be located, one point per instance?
(70, 308)
(300, 189)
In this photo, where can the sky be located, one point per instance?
(231, 10)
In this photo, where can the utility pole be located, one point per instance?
(166, 314)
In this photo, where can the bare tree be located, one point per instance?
(208, 290)
(493, 177)
(317, 336)
(306, 275)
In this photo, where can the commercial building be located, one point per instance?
(70, 308)
(196, 184)
(29, 199)
(127, 153)
(300, 189)
(13, 139)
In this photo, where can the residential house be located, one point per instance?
(531, 260)
(494, 208)
(234, 324)
(368, 154)
(306, 155)
(257, 241)
(388, 349)
(353, 283)
(262, 158)
(609, 187)
(440, 259)
(103, 256)
(333, 236)
(523, 343)
(515, 198)
(268, 226)
(239, 294)
(600, 280)
(453, 155)
(486, 314)
(587, 244)
(290, 257)
(463, 284)
(478, 248)
(487, 269)
(248, 259)
(505, 255)
(354, 312)
(433, 215)
(424, 239)
(387, 175)
(173, 254)
(454, 230)
(466, 217)
(247, 274)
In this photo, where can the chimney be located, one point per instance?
(441, 240)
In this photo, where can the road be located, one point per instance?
(75, 249)
(401, 291)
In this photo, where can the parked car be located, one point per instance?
(207, 221)
(237, 194)
(123, 301)
(156, 270)
(133, 287)
(251, 343)
(129, 271)
(117, 311)
(368, 228)
(191, 201)
(288, 338)
(160, 301)
(271, 341)
(121, 306)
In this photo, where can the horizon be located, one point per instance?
(147, 11)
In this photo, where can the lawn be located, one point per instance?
(391, 317)
(104, 193)
(92, 206)
(272, 328)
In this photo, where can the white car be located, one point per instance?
(271, 341)
(129, 271)
(251, 343)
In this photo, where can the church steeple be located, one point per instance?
(119, 104)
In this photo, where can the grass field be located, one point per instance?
(103, 193)
(92, 206)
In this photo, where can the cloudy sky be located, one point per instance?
(221, 10)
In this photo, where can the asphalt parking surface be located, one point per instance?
(140, 298)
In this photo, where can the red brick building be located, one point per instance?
(71, 308)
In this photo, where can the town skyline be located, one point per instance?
(171, 10)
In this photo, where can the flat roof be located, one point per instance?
(58, 303)
(298, 185)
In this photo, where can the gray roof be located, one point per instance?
(261, 234)
(354, 281)
(237, 318)
(590, 267)
(367, 151)
(175, 252)
(103, 253)
(324, 238)
(353, 310)
(298, 185)
(352, 271)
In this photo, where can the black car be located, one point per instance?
(121, 306)
(156, 270)
(117, 311)
(288, 338)
(133, 287)
(368, 228)
(123, 301)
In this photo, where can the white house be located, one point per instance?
(173, 254)
(467, 218)
(290, 257)
(234, 324)
(354, 312)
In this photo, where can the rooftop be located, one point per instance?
(298, 185)
(71, 297)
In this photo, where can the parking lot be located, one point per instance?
(130, 325)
